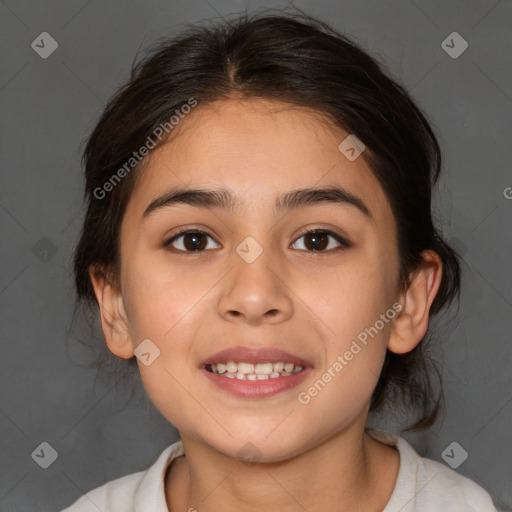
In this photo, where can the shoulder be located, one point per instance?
(436, 483)
(424, 485)
(135, 492)
(116, 493)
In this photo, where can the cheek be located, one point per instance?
(352, 296)
(160, 299)
(355, 304)
(354, 353)
(167, 308)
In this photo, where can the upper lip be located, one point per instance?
(254, 355)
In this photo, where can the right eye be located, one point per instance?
(191, 240)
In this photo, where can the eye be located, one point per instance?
(196, 240)
(317, 240)
(192, 240)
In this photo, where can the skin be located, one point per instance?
(312, 304)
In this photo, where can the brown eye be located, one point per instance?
(318, 241)
(198, 241)
(190, 241)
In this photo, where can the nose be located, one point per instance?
(256, 292)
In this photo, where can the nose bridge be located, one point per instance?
(252, 264)
(255, 291)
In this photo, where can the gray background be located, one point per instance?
(49, 387)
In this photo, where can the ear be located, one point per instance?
(411, 324)
(114, 322)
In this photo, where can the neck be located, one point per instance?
(350, 469)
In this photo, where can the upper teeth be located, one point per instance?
(257, 371)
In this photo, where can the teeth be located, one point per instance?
(288, 367)
(232, 367)
(245, 368)
(278, 367)
(263, 368)
(260, 371)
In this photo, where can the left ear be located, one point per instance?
(411, 323)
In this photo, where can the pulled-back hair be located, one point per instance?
(303, 62)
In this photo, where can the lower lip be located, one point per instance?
(256, 388)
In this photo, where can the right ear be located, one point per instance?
(114, 322)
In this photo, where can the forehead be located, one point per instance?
(257, 149)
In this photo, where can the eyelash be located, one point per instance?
(344, 244)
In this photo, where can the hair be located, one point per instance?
(303, 62)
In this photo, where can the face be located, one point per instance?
(309, 277)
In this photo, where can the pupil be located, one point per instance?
(193, 241)
(317, 244)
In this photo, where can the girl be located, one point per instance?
(259, 237)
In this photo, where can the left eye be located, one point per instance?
(190, 241)
(318, 240)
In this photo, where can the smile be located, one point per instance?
(259, 371)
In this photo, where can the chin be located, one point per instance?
(261, 447)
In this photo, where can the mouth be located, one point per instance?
(258, 371)
(255, 373)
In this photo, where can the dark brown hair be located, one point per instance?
(299, 60)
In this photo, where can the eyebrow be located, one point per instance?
(223, 199)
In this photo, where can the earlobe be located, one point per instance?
(114, 322)
(411, 324)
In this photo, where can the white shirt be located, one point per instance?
(422, 485)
